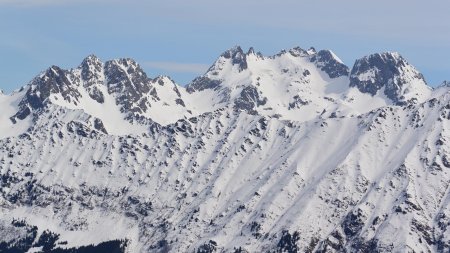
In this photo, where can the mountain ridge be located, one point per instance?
(135, 93)
(259, 154)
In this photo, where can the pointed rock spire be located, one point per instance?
(91, 67)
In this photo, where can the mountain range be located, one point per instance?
(294, 152)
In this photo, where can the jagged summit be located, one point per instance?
(237, 57)
(400, 81)
(91, 67)
(294, 84)
(328, 62)
(91, 59)
(291, 83)
(293, 153)
(52, 81)
(118, 87)
(297, 52)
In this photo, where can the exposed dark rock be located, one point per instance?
(177, 91)
(353, 223)
(255, 228)
(297, 102)
(128, 82)
(373, 72)
(237, 56)
(296, 52)
(326, 61)
(209, 247)
(249, 99)
(47, 241)
(96, 94)
(114, 246)
(335, 241)
(21, 243)
(98, 124)
(91, 75)
(202, 83)
(288, 242)
(91, 67)
(162, 246)
(180, 101)
(78, 128)
(154, 94)
(53, 81)
(425, 230)
(240, 250)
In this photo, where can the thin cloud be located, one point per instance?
(194, 68)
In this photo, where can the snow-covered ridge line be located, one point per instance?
(288, 153)
(294, 84)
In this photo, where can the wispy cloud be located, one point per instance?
(194, 68)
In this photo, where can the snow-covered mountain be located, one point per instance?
(294, 152)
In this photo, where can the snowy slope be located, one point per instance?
(260, 154)
(9, 106)
(296, 84)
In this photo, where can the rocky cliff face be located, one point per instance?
(390, 73)
(288, 153)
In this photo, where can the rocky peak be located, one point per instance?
(92, 76)
(237, 57)
(233, 52)
(91, 60)
(311, 50)
(124, 65)
(251, 52)
(213, 77)
(391, 71)
(129, 83)
(91, 67)
(298, 52)
(52, 81)
(387, 62)
(126, 74)
(325, 60)
(211, 80)
(328, 62)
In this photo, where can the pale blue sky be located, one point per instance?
(182, 38)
